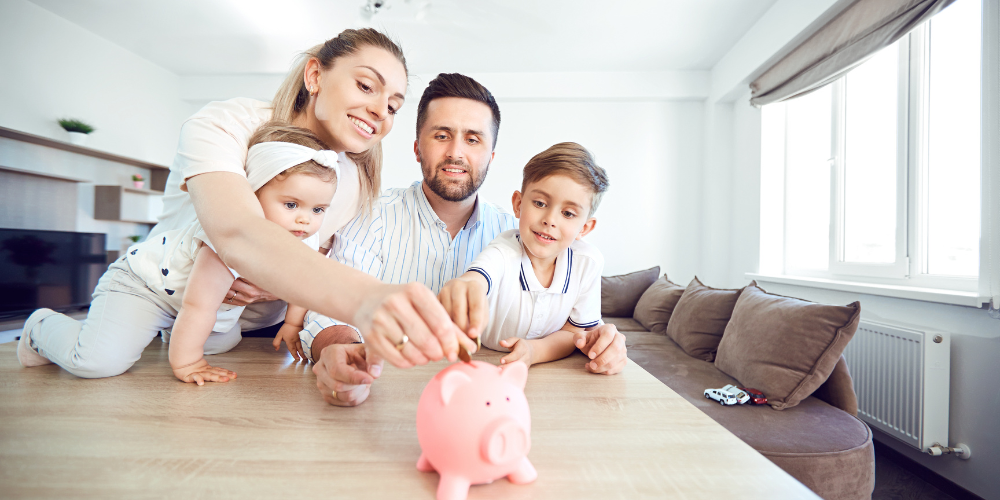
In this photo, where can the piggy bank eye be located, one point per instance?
(487, 403)
(508, 399)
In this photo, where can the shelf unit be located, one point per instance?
(157, 173)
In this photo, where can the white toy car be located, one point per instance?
(728, 395)
(723, 397)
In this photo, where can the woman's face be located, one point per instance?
(357, 98)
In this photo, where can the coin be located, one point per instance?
(463, 354)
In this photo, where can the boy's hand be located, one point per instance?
(520, 350)
(605, 346)
(289, 334)
(465, 300)
(202, 372)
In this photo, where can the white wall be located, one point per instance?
(648, 140)
(53, 69)
(733, 131)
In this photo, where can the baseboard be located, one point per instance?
(928, 475)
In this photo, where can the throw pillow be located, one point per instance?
(657, 304)
(783, 346)
(619, 294)
(700, 319)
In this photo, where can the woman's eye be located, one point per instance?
(364, 88)
(392, 110)
(538, 204)
(319, 210)
(291, 205)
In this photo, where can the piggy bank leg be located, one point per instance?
(525, 473)
(424, 465)
(452, 488)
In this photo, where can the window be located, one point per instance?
(876, 177)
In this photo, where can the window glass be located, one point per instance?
(870, 158)
(953, 155)
(808, 145)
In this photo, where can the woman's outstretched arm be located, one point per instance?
(276, 261)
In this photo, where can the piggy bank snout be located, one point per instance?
(504, 440)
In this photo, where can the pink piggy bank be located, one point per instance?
(474, 426)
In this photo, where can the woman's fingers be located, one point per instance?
(433, 318)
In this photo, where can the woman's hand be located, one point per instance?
(520, 350)
(244, 293)
(201, 372)
(406, 326)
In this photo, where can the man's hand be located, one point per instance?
(244, 293)
(520, 350)
(345, 373)
(201, 372)
(413, 313)
(464, 298)
(605, 346)
(289, 334)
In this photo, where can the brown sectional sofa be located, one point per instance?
(819, 441)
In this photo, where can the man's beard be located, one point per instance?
(451, 190)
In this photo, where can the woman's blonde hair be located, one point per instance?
(293, 96)
(274, 131)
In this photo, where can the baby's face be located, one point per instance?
(552, 213)
(297, 203)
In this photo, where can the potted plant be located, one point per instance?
(135, 238)
(138, 181)
(76, 129)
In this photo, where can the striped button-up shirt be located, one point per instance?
(403, 240)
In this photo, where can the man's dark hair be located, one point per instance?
(457, 85)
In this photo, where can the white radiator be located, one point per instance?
(902, 378)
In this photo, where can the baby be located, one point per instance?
(177, 282)
(542, 281)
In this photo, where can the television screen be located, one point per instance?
(53, 269)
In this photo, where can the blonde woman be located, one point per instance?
(346, 91)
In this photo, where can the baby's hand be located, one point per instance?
(290, 335)
(201, 372)
(520, 350)
(465, 300)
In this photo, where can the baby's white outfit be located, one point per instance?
(521, 307)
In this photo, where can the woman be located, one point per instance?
(346, 91)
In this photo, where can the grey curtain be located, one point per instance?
(861, 30)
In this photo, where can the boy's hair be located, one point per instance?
(274, 131)
(457, 85)
(572, 160)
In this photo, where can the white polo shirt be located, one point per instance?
(521, 307)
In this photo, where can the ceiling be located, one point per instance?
(225, 37)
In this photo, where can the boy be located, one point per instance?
(542, 281)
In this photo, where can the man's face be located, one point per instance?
(455, 147)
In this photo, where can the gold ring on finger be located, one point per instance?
(402, 343)
(334, 394)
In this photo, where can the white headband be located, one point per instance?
(268, 159)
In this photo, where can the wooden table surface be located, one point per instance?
(268, 434)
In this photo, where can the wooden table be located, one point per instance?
(268, 435)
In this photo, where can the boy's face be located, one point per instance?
(553, 212)
(297, 203)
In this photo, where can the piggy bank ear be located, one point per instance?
(451, 382)
(516, 373)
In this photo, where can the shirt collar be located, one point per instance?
(430, 217)
(560, 277)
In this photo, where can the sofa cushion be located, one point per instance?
(700, 318)
(657, 304)
(783, 346)
(828, 450)
(619, 294)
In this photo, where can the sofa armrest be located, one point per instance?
(838, 390)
